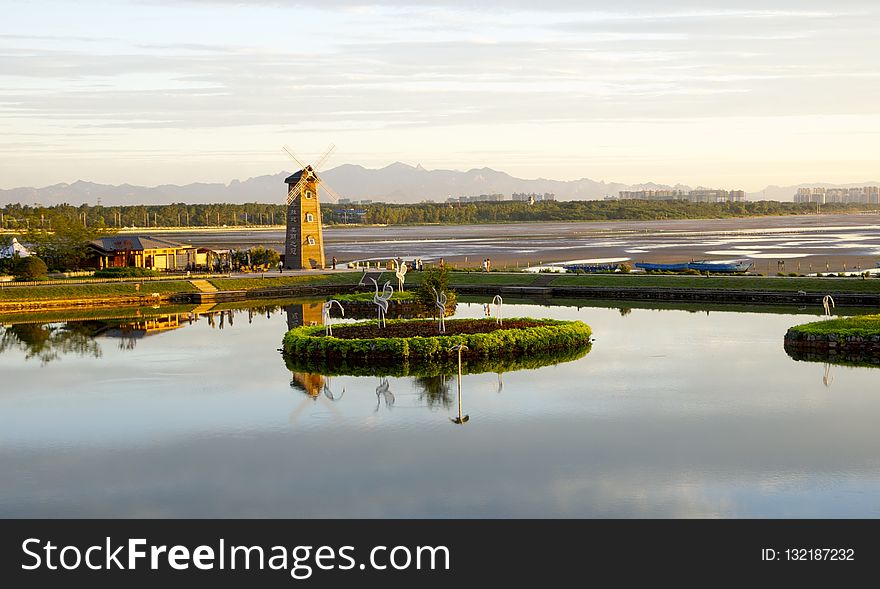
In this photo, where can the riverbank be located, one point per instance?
(717, 289)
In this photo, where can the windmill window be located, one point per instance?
(309, 218)
(310, 240)
(308, 194)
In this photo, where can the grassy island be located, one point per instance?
(855, 340)
(418, 340)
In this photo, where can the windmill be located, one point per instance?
(304, 239)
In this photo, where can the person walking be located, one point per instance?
(334, 262)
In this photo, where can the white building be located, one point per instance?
(13, 249)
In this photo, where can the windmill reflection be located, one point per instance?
(318, 389)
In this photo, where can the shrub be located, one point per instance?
(625, 268)
(125, 272)
(30, 268)
(437, 278)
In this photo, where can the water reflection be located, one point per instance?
(48, 342)
(433, 391)
(201, 422)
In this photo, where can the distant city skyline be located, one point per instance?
(716, 94)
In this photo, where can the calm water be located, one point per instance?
(672, 414)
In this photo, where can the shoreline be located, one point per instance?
(715, 289)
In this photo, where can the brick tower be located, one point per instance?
(304, 240)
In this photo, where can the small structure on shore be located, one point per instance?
(152, 253)
(14, 249)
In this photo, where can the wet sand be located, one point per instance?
(805, 243)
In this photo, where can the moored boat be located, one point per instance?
(661, 267)
(700, 266)
(590, 267)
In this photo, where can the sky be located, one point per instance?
(725, 94)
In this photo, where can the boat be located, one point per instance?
(661, 267)
(590, 267)
(709, 266)
(699, 265)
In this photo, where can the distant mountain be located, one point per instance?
(398, 183)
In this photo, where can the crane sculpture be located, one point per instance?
(401, 276)
(383, 393)
(325, 315)
(497, 302)
(828, 304)
(440, 303)
(381, 301)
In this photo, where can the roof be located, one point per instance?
(135, 243)
(294, 178)
(14, 248)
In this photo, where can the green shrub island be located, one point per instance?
(860, 326)
(431, 368)
(417, 341)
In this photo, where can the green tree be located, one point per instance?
(434, 279)
(64, 243)
(30, 268)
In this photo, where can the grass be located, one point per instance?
(406, 296)
(413, 279)
(279, 280)
(513, 279)
(862, 325)
(760, 283)
(92, 291)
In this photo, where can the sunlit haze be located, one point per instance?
(725, 94)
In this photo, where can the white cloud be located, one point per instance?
(391, 78)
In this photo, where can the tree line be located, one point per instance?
(24, 217)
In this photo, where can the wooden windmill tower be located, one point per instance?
(304, 240)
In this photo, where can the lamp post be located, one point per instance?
(460, 419)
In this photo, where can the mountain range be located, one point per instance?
(395, 183)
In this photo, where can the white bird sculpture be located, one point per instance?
(440, 303)
(381, 301)
(401, 276)
(383, 392)
(497, 302)
(325, 315)
(828, 303)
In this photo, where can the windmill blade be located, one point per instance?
(293, 156)
(294, 190)
(324, 157)
(330, 192)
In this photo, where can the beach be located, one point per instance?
(803, 243)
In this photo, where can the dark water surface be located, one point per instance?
(673, 413)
